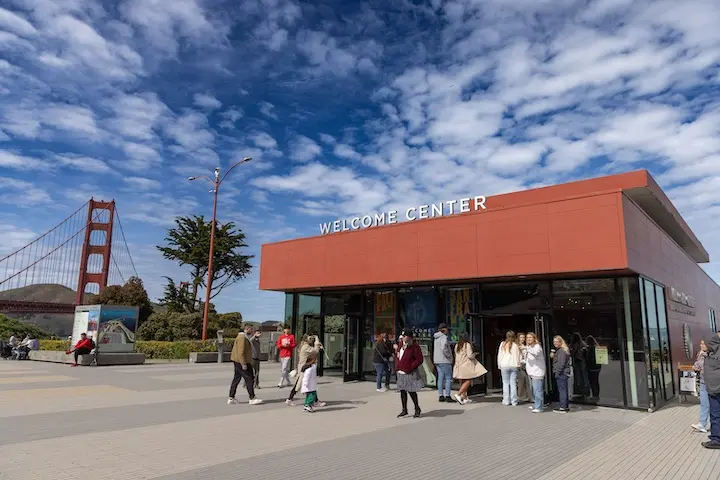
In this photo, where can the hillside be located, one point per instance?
(49, 293)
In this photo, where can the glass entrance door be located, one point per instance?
(352, 359)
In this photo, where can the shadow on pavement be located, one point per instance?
(333, 409)
(330, 403)
(441, 413)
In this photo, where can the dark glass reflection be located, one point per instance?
(514, 297)
(586, 317)
(636, 378)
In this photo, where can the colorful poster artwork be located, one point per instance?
(459, 302)
(384, 314)
(420, 309)
(116, 331)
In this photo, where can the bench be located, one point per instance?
(103, 359)
(207, 357)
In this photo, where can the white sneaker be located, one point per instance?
(531, 407)
(308, 408)
(458, 399)
(536, 410)
(699, 428)
(382, 390)
(255, 401)
(289, 403)
(467, 401)
(319, 404)
(232, 401)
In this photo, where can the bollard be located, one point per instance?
(220, 346)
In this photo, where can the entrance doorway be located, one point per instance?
(494, 329)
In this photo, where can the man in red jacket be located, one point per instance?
(84, 346)
(286, 345)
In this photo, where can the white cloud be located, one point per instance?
(15, 23)
(206, 101)
(20, 162)
(304, 149)
(86, 164)
(190, 130)
(165, 24)
(263, 140)
(328, 139)
(137, 115)
(268, 109)
(14, 237)
(142, 183)
(21, 194)
(343, 150)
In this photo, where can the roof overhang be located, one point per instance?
(653, 201)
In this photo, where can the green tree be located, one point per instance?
(10, 326)
(188, 244)
(133, 294)
(170, 326)
(176, 299)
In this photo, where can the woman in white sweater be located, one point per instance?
(535, 368)
(508, 361)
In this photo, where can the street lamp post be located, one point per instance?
(216, 187)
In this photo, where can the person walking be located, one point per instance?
(255, 342)
(310, 344)
(407, 361)
(561, 371)
(699, 367)
(593, 368)
(286, 345)
(508, 360)
(382, 353)
(443, 360)
(466, 368)
(535, 369)
(309, 381)
(241, 356)
(711, 374)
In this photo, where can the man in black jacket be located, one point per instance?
(712, 383)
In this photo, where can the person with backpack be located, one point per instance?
(443, 360)
(711, 375)
(467, 367)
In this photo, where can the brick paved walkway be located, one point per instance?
(171, 422)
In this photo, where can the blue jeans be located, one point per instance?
(538, 394)
(509, 380)
(714, 418)
(562, 384)
(382, 369)
(444, 379)
(704, 405)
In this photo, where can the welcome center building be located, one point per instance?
(608, 263)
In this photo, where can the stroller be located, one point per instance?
(5, 350)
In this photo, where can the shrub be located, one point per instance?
(8, 326)
(57, 345)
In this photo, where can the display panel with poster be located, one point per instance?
(384, 309)
(116, 329)
(418, 314)
(458, 303)
(86, 321)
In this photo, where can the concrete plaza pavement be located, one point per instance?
(171, 422)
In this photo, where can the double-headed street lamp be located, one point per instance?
(216, 186)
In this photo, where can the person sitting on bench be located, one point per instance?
(84, 346)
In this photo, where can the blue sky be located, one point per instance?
(347, 108)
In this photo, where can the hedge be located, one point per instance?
(152, 349)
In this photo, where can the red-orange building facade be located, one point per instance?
(608, 262)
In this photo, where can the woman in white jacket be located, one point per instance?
(535, 368)
(508, 361)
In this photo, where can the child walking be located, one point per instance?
(309, 381)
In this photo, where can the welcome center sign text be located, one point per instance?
(463, 205)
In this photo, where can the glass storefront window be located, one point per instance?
(636, 377)
(334, 334)
(308, 315)
(586, 317)
(289, 304)
(713, 322)
(510, 298)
